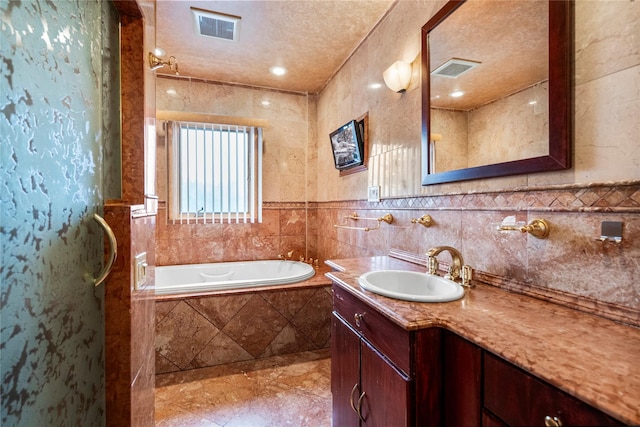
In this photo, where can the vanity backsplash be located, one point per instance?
(571, 266)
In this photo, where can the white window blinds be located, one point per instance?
(216, 173)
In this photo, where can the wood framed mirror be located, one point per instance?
(513, 63)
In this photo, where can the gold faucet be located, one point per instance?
(288, 256)
(457, 269)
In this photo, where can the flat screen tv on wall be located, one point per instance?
(347, 143)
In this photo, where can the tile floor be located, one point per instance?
(291, 390)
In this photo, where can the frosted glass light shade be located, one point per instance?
(398, 76)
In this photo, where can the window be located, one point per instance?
(216, 173)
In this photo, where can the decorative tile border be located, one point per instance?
(622, 197)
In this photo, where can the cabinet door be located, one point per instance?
(345, 373)
(462, 371)
(520, 399)
(386, 391)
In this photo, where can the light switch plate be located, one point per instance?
(139, 270)
(374, 193)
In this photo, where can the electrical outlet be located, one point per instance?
(374, 193)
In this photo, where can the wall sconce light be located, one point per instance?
(398, 76)
(157, 63)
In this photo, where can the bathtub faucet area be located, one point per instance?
(310, 260)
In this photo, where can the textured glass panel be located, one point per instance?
(112, 132)
(51, 134)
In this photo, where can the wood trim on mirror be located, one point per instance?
(560, 102)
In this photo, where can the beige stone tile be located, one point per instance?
(288, 303)
(182, 334)
(314, 318)
(167, 414)
(289, 340)
(604, 41)
(220, 350)
(255, 325)
(285, 390)
(219, 309)
(607, 128)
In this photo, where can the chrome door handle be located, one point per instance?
(113, 250)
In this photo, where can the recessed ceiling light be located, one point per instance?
(533, 102)
(265, 103)
(278, 71)
(375, 85)
(171, 91)
(456, 94)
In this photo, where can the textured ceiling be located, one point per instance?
(311, 38)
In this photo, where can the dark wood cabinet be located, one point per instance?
(374, 364)
(462, 381)
(519, 399)
(345, 373)
(368, 389)
(385, 375)
(385, 391)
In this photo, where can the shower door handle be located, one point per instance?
(113, 250)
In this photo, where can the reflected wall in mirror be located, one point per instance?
(496, 89)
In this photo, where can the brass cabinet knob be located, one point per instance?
(552, 421)
(358, 317)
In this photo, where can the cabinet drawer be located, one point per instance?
(387, 337)
(520, 399)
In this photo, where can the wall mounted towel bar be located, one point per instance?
(388, 218)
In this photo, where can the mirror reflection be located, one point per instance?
(496, 89)
(489, 84)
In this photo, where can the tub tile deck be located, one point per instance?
(208, 330)
(291, 390)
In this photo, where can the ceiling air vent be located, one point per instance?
(454, 68)
(218, 25)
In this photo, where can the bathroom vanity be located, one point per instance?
(492, 358)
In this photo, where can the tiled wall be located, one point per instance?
(211, 330)
(129, 317)
(601, 185)
(130, 312)
(283, 229)
(607, 103)
(569, 263)
(288, 175)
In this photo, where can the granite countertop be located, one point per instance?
(592, 358)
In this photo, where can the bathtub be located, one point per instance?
(192, 278)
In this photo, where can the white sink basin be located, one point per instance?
(411, 286)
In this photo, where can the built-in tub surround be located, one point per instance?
(591, 358)
(199, 330)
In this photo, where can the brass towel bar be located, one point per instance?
(388, 218)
